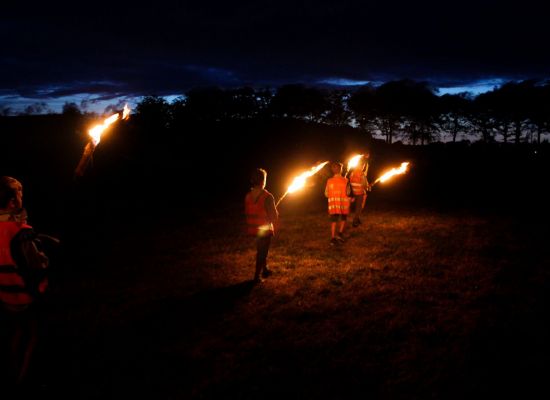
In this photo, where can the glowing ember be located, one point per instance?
(394, 171)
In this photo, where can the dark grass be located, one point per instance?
(442, 293)
(416, 304)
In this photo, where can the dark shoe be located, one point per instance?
(356, 222)
(334, 242)
(340, 238)
(266, 272)
(257, 280)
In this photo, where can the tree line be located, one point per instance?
(403, 110)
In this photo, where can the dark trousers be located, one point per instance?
(262, 249)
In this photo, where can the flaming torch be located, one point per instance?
(95, 137)
(394, 171)
(353, 162)
(300, 181)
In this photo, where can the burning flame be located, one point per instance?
(394, 171)
(300, 180)
(126, 112)
(96, 132)
(354, 161)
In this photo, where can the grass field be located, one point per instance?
(417, 304)
(442, 293)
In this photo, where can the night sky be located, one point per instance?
(100, 53)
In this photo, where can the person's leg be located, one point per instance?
(266, 243)
(6, 332)
(29, 338)
(332, 229)
(342, 226)
(359, 203)
(262, 249)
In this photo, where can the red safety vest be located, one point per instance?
(357, 179)
(257, 220)
(338, 202)
(12, 286)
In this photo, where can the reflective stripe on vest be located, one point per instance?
(338, 202)
(12, 285)
(257, 220)
(356, 178)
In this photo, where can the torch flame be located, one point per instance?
(300, 180)
(394, 171)
(126, 112)
(96, 132)
(354, 161)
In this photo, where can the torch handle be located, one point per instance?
(281, 199)
(84, 160)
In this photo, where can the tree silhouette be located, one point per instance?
(71, 109)
(539, 110)
(299, 101)
(453, 117)
(482, 117)
(418, 104)
(362, 104)
(402, 108)
(338, 113)
(153, 115)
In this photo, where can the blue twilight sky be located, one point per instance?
(100, 54)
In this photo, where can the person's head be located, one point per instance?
(336, 167)
(258, 177)
(11, 193)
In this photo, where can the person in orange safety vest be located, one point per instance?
(21, 284)
(338, 203)
(360, 187)
(261, 216)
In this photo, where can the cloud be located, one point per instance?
(53, 51)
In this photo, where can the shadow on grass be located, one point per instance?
(217, 300)
(146, 346)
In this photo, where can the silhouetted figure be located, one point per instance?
(261, 215)
(22, 282)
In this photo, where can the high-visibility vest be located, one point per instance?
(257, 219)
(13, 290)
(338, 202)
(357, 179)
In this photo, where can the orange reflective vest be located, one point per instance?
(338, 202)
(357, 179)
(257, 219)
(13, 290)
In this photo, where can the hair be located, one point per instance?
(8, 190)
(336, 167)
(258, 176)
